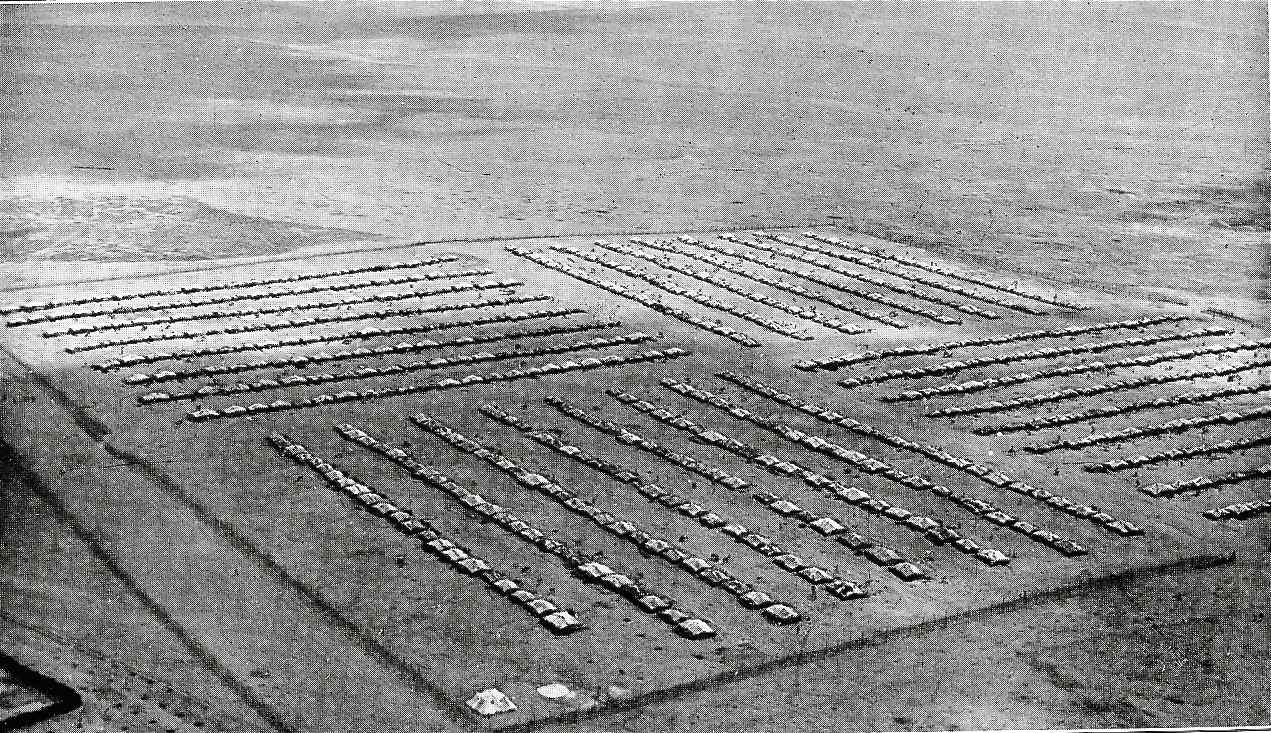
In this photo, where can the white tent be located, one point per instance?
(491, 702)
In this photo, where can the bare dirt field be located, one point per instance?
(196, 489)
(952, 564)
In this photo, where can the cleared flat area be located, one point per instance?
(236, 542)
(182, 574)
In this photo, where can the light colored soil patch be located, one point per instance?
(124, 228)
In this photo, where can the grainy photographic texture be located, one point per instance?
(383, 366)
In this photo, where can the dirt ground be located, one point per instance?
(334, 585)
(72, 616)
(1117, 152)
(1181, 648)
(1187, 647)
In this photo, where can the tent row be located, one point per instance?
(319, 320)
(880, 555)
(1243, 510)
(304, 403)
(590, 571)
(659, 605)
(253, 312)
(824, 526)
(362, 334)
(1181, 425)
(954, 367)
(945, 271)
(461, 559)
(839, 587)
(1163, 357)
(1204, 483)
(712, 278)
(251, 283)
(697, 296)
(221, 300)
(1185, 398)
(391, 370)
(872, 466)
(878, 266)
(870, 295)
(668, 247)
(811, 276)
(1181, 454)
(987, 474)
(835, 362)
(653, 546)
(680, 314)
(1091, 390)
(780, 466)
(301, 361)
(627, 437)
(931, 528)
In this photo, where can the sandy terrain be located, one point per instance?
(1125, 133)
(1091, 152)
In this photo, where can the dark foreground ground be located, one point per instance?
(1117, 149)
(1186, 647)
(1183, 647)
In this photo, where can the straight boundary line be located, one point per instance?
(360, 637)
(150, 473)
(1196, 562)
(204, 656)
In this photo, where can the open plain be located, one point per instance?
(818, 366)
